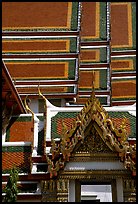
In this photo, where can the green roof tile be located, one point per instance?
(69, 117)
(56, 122)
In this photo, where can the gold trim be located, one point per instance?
(126, 81)
(69, 14)
(127, 96)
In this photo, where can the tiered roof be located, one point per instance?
(60, 50)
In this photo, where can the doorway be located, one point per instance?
(96, 193)
(88, 191)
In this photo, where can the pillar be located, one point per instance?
(71, 195)
(35, 143)
(77, 191)
(119, 188)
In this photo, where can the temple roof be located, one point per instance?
(65, 48)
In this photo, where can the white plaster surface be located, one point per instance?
(94, 165)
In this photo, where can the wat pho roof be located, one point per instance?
(61, 51)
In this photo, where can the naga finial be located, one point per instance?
(26, 102)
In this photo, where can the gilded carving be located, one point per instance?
(55, 149)
(93, 143)
(49, 190)
(62, 190)
(129, 186)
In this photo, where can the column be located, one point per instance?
(77, 191)
(3, 137)
(71, 194)
(35, 143)
(119, 188)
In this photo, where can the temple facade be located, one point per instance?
(69, 100)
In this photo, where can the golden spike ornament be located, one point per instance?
(45, 120)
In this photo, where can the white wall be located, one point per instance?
(34, 105)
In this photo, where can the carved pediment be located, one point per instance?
(93, 143)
